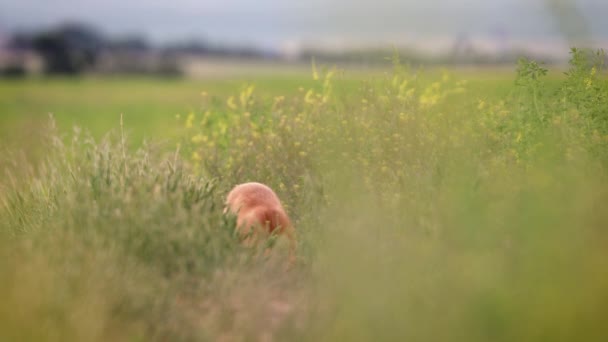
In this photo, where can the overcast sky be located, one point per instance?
(274, 22)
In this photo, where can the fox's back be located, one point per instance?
(257, 203)
(251, 195)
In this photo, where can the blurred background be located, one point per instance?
(204, 38)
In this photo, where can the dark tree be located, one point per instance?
(69, 49)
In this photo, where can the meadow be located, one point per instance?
(430, 205)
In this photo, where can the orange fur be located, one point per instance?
(258, 207)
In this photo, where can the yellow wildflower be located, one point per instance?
(199, 138)
(190, 120)
(231, 104)
(309, 97)
(196, 156)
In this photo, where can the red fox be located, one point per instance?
(258, 207)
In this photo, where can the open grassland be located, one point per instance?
(149, 105)
(428, 208)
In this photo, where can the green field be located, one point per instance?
(438, 205)
(149, 105)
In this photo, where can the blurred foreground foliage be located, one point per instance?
(425, 212)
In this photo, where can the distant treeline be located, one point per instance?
(77, 48)
(379, 57)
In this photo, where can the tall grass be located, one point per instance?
(425, 212)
